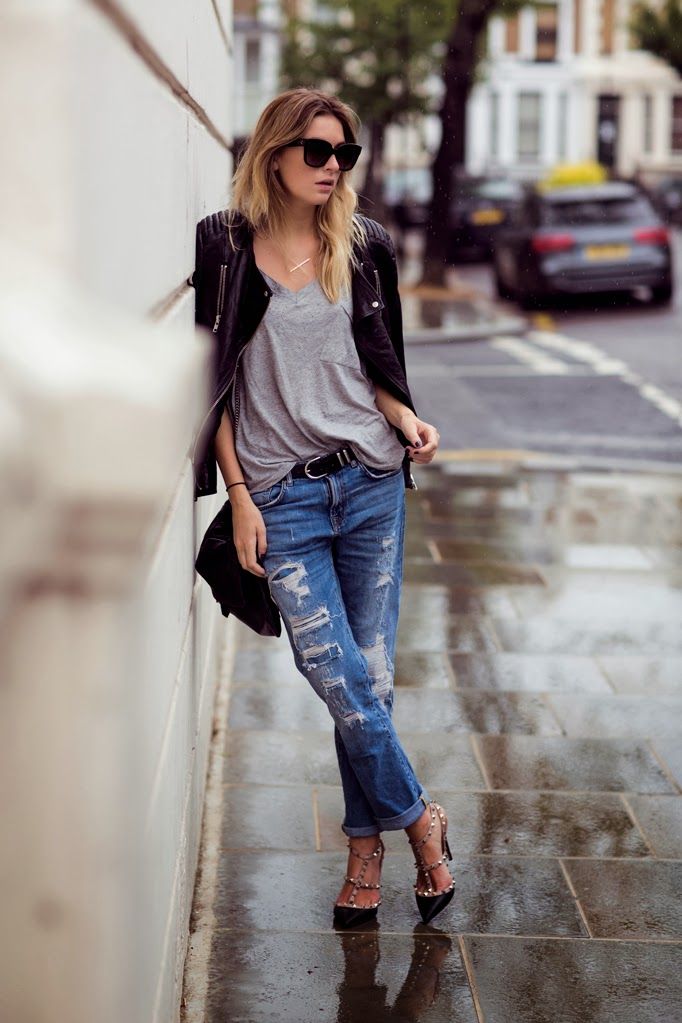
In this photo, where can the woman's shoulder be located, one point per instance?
(377, 238)
(213, 227)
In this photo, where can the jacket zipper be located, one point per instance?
(216, 402)
(376, 277)
(221, 296)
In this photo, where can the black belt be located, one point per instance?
(322, 465)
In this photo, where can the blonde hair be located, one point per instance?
(258, 194)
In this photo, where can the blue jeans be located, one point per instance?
(334, 566)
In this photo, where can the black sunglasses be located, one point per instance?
(316, 152)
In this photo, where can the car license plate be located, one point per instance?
(487, 216)
(607, 251)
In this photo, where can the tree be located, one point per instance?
(658, 29)
(377, 56)
(463, 52)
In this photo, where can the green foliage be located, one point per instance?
(658, 29)
(375, 54)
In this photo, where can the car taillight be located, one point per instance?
(552, 242)
(652, 236)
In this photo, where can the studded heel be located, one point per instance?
(347, 914)
(430, 902)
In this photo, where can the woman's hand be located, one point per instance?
(422, 436)
(249, 531)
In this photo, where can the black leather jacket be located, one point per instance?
(231, 299)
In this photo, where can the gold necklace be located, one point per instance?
(287, 258)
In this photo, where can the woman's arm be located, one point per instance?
(249, 528)
(422, 436)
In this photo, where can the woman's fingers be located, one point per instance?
(250, 542)
(429, 438)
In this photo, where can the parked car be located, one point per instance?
(481, 208)
(598, 238)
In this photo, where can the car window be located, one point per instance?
(501, 190)
(577, 213)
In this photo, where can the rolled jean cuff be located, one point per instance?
(404, 820)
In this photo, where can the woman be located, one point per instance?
(314, 443)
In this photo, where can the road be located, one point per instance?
(601, 379)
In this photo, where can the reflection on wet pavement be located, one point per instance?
(539, 696)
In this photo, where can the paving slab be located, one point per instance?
(269, 978)
(515, 823)
(629, 898)
(534, 980)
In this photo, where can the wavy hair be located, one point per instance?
(258, 194)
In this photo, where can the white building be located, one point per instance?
(562, 82)
(257, 59)
(116, 129)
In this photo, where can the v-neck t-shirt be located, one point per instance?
(303, 391)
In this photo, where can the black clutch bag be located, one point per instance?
(237, 591)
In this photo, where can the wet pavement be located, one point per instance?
(539, 696)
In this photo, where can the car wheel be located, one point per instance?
(662, 295)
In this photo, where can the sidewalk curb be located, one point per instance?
(466, 331)
(550, 461)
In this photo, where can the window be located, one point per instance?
(562, 126)
(577, 25)
(597, 211)
(647, 123)
(252, 61)
(529, 125)
(608, 23)
(676, 124)
(546, 21)
(511, 34)
(494, 125)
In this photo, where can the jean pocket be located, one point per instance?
(271, 496)
(379, 474)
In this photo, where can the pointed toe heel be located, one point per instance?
(430, 906)
(429, 902)
(347, 914)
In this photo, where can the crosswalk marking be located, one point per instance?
(584, 351)
(607, 366)
(528, 354)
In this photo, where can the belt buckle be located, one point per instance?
(316, 458)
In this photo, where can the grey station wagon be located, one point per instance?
(584, 239)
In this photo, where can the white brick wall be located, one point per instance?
(115, 126)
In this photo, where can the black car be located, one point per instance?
(481, 208)
(584, 239)
(667, 195)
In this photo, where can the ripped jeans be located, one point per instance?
(334, 567)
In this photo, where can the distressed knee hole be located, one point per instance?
(316, 619)
(291, 577)
(336, 697)
(380, 669)
(319, 654)
(385, 562)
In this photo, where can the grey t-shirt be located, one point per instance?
(303, 390)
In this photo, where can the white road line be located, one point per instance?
(530, 356)
(599, 361)
(604, 365)
(491, 370)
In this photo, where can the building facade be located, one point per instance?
(563, 82)
(257, 60)
(116, 126)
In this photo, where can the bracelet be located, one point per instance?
(239, 483)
